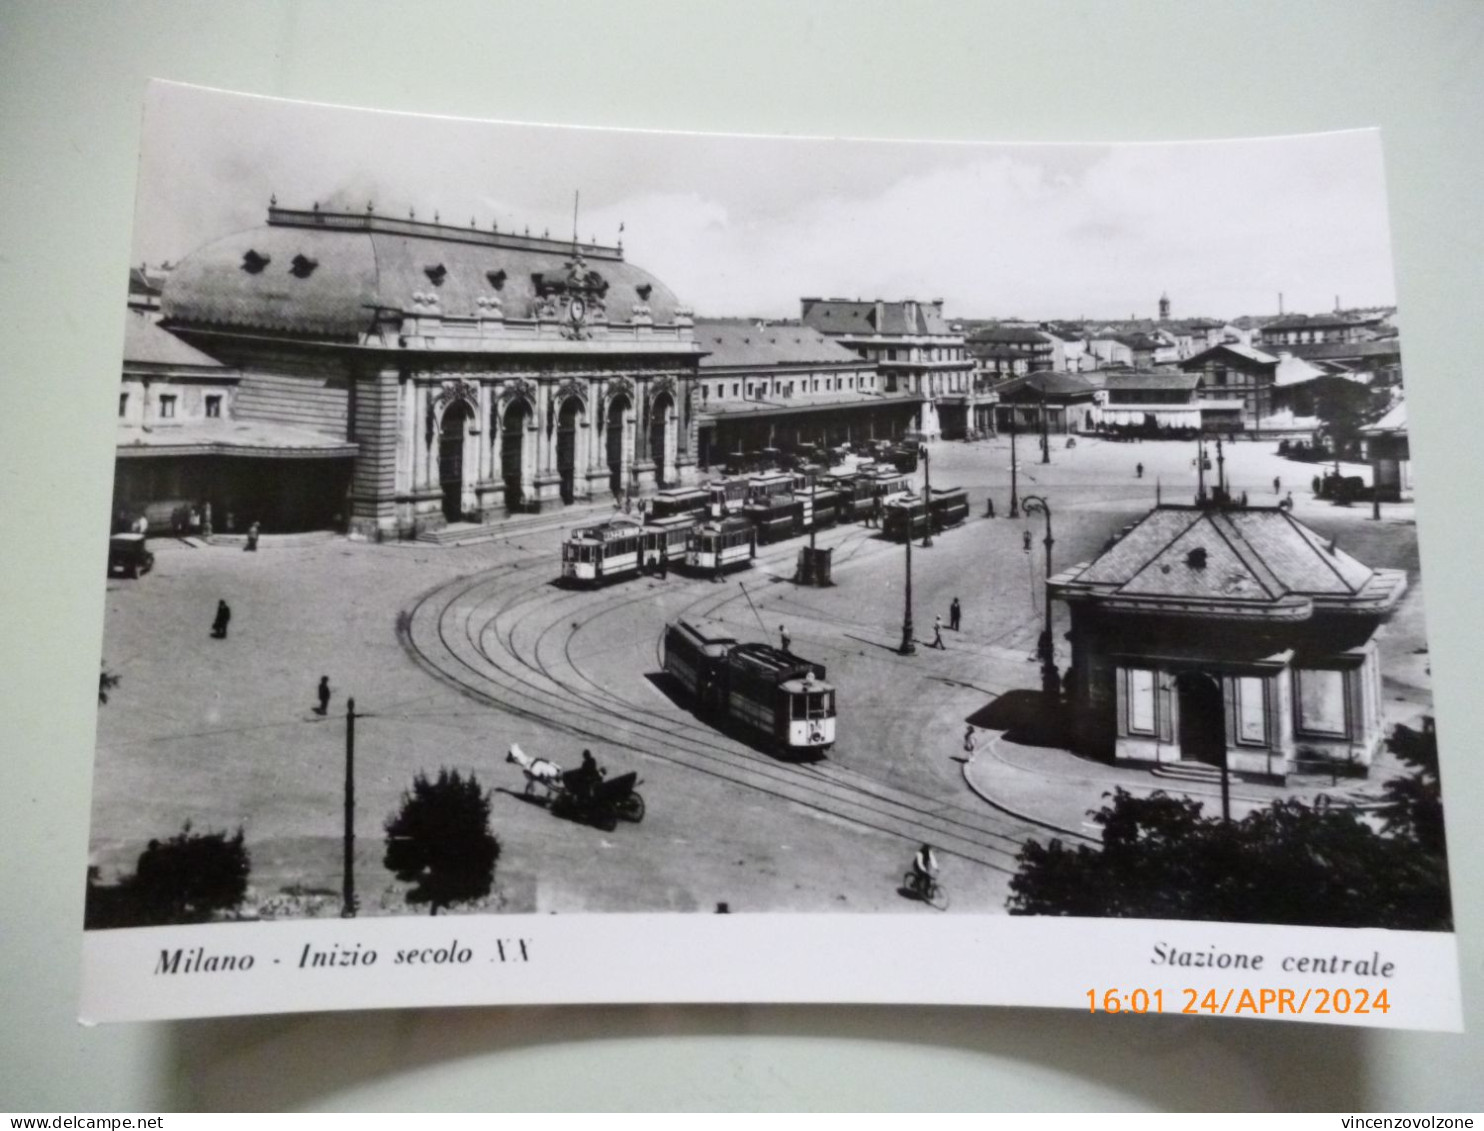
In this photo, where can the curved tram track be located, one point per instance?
(509, 638)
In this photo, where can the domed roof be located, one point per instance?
(326, 274)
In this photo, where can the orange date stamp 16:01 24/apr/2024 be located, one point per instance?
(1258, 1002)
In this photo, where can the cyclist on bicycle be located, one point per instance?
(925, 869)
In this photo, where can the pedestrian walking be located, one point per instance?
(969, 743)
(989, 507)
(1139, 471)
(938, 634)
(955, 615)
(252, 538)
(1277, 485)
(223, 618)
(783, 638)
(1025, 541)
(324, 696)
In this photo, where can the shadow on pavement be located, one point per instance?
(1024, 719)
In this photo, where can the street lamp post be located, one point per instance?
(927, 499)
(1045, 430)
(1050, 681)
(1014, 500)
(909, 646)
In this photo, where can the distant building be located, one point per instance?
(783, 385)
(1314, 329)
(1059, 402)
(1232, 372)
(1227, 637)
(1166, 400)
(1001, 351)
(914, 348)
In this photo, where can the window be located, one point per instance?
(214, 406)
(736, 388)
(1252, 714)
(123, 404)
(167, 406)
(1321, 702)
(1140, 701)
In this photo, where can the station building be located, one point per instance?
(917, 351)
(1233, 637)
(781, 386)
(404, 375)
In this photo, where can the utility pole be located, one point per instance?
(1200, 469)
(348, 896)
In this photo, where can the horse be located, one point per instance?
(538, 771)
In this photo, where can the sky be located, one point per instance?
(745, 226)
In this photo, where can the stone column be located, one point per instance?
(375, 420)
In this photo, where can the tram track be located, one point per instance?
(493, 637)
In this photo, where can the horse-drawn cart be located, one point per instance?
(585, 794)
(603, 803)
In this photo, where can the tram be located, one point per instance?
(593, 555)
(725, 496)
(776, 517)
(768, 691)
(718, 547)
(948, 506)
(664, 541)
(770, 485)
(674, 501)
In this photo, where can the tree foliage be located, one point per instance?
(1343, 407)
(1291, 863)
(440, 841)
(190, 878)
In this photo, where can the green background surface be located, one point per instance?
(71, 82)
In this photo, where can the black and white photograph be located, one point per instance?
(523, 529)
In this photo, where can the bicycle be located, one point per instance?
(925, 888)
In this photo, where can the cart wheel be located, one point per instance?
(631, 808)
(607, 822)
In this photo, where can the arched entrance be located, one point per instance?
(660, 437)
(451, 433)
(1202, 718)
(620, 448)
(566, 450)
(513, 453)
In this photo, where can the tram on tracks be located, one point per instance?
(776, 695)
(693, 501)
(725, 496)
(715, 548)
(906, 516)
(664, 541)
(606, 552)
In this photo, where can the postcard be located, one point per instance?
(562, 565)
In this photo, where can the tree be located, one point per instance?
(1414, 804)
(440, 841)
(1343, 407)
(1292, 863)
(190, 878)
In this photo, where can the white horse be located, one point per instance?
(538, 771)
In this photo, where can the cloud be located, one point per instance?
(749, 225)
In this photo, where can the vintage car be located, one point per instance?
(127, 555)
